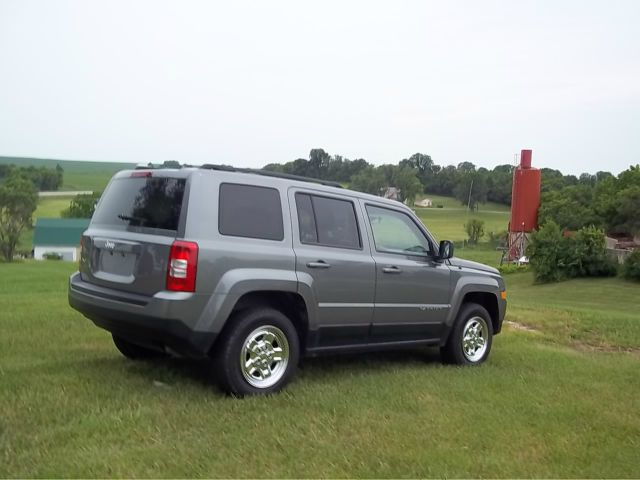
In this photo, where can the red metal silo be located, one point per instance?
(525, 200)
(525, 195)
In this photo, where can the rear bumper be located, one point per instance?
(161, 321)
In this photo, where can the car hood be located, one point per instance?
(459, 262)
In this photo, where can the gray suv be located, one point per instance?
(254, 270)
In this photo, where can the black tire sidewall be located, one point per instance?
(452, 352)
(227, 364)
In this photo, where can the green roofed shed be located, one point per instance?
(58, 236)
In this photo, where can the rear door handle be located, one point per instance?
(318, 264)
(392, 269)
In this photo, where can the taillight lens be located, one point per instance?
(183, 263)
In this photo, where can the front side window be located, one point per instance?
(250, 211)
(396, 232)
(327, 221)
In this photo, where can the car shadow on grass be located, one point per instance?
(175, 372)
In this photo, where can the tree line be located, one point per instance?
(419, 174)
(42, 178)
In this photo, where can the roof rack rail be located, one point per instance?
(269, 173)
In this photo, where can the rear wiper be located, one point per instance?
(130, 219)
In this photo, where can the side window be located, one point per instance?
(396, 232)
(306, 219)
(250, 211)
(327, 221)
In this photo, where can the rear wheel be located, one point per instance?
(471, 338)
(259, 354)
(134, 351)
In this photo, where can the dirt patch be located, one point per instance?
(604, 348)
(521, 326)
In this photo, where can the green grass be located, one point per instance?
(545, 405)
(455, 204)
(78, 175)
(447, 223)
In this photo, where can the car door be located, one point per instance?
(412, 286)
(333, 259)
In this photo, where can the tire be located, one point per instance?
(134, 351)
(471, 337)
(259, 353)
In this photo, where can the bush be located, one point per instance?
(554, 257)
(508, 268)
(439, 205)
(51, 256)
(475, 230)
(498, 238)
(546, 253)
(631, 267)
(587, 255)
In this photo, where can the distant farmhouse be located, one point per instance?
(425, 203)
(58, 236)
(392, 193)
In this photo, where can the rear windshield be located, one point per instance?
(141, 203)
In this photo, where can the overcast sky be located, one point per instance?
(249, 83)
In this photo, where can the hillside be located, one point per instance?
(78, 175)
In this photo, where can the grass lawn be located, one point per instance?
(448, 224)
(561, 399)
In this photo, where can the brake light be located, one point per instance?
(144, 173)
(183, 264)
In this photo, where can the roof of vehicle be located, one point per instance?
(279, 179)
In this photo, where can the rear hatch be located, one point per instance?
(129, 239)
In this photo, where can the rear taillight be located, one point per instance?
(183, 263)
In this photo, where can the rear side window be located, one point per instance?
(139, 203)
(250, 211)
(327, 221)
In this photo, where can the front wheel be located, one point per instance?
(259, 354)
(471, 338)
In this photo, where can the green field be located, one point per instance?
(78, 175)
(447, 223)
(559, 397)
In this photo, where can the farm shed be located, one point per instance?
(425, 203)
(58, 235)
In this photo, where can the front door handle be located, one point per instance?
(391, 269)
(318, 264)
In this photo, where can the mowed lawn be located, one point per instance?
(447, 223)
(560, 399)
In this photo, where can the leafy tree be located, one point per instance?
(82, 206)
(405, 178)
(631, 267)
(18, 201)
(546, 253)
(371, 180)
(554, 256)
(571, 207)
(475, 230)
(471, 189)
(499, 184)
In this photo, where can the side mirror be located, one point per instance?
(446, 250)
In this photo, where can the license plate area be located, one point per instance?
(117, 263)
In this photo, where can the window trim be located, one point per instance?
(250, 236)
(404, 253)
(315, 222)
